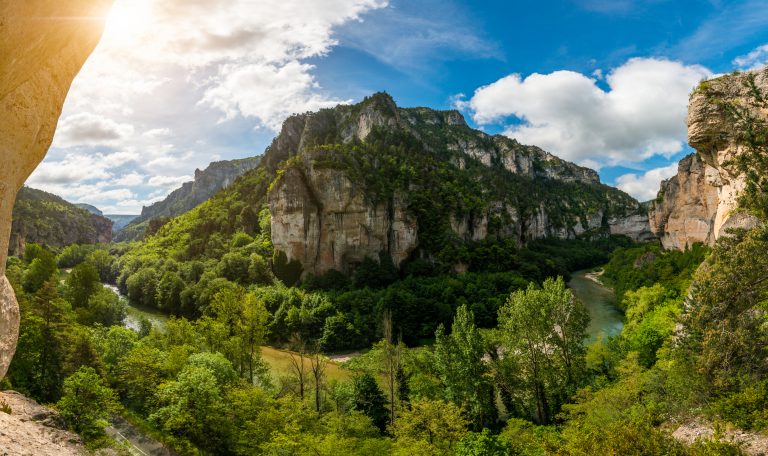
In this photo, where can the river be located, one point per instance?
(136, 313)
(600, 302)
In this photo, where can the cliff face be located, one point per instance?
(46, 219)
(216, 176)
(343, 193)
(701, 202)
(684, 213)
(40, 54)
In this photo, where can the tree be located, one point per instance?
(370, 400)
(234, 266)
(318, 364)
(86, 403)
(460, 366)
(42, 267)
(543, 330)
(82, 283)
(439, 424)
(168, 293)
(481, 444)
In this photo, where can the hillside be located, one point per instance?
(354, 182)
(216, 176)
(43, 218)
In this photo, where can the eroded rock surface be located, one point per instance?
(700, 203)
(325, 216)
(44, 45)
(33, 430)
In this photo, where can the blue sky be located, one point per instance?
(176, 84)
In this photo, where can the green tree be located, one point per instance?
(42, 267)
(370, 400)
(87, 403)
(544, 329)
(82, 283)
(431, 427)
(460, 366)
(168, 293)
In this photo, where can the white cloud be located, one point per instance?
(641, 114)
(266, 92)
(87, 129)
(148, 102)
(755, 59)
(645, 186)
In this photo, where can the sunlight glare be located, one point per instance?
(128, 18)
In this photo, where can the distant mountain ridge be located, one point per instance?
(44, 218)
(207, 182)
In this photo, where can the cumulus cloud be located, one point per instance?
(640, 114)
(757, 58)
(89, 129)
(645, 186)
(176, 84)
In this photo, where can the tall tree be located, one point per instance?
(462, 370)
(543, 329)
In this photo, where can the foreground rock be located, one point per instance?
(700, 203)
(33, 430)
(44, 45)
(751, 443)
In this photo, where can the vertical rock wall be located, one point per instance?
(701, 202)
(44, 45)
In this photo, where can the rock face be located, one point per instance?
(326, 217)
(31, 429)
(700, 203)
(684, 212)
(44, 45)
(44, 218)
(216, 176)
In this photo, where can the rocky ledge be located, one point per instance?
(29, 429)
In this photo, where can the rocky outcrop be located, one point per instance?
(328, 212)
(701, 203)
(45, 42)
(216, 176)
(46, 219)
(27, 428)
(684, 212)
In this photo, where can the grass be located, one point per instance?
(280, 362)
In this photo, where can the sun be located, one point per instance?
(127, 19)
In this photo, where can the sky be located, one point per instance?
(177, 84)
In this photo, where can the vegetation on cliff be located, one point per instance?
(43, 218)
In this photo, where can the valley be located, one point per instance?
(513, 254)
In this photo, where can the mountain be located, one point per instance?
(702, 201)
(216, 176)
(356, 181)
(120, 221)
(44, 218)
(377, 181)
(92, 209)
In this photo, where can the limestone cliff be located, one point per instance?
(45, 42)
(216, 176)
(684, 212)
(356, 181)
(701, 202)
(44, 218)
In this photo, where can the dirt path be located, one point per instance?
(140, 444)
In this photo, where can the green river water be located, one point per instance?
(605, 317)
